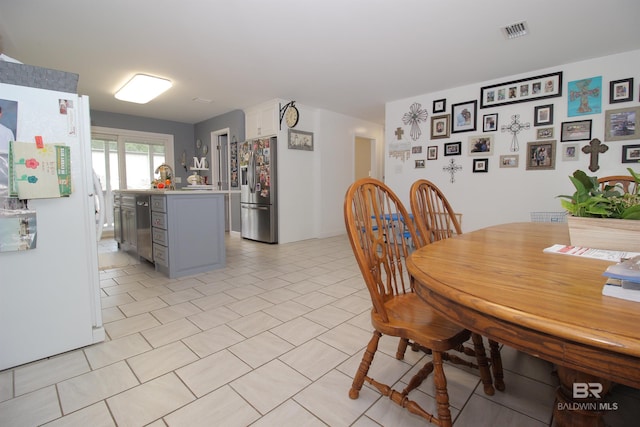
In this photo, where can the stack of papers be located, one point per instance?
(615, 256)
(624, 280)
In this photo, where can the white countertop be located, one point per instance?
(177, 191)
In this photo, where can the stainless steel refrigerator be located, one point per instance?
(258, 198)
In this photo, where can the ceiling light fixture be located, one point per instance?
(515, 30)
(142, 88)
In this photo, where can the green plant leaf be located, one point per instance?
(572, 208)
(590, 200)
(588, 182)
(631, 213)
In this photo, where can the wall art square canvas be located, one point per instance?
(584, 97)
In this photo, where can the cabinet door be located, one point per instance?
(261, 121)
(268, 120)
(252, 124)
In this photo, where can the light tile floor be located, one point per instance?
(273, 339)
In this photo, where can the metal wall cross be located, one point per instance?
(515, 127)
(414, 117)
(452, 168)
(594, 148)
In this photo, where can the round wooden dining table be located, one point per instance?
(498, 282)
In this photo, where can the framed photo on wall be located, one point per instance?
(452, 148)
(463, 116)
(630, 153)
(480, 145)
(300, 140)
(432, 152)
(480, 165)
(621, 124)
(543, 115)
(621, 90)
(440, 126)
(419, 164)
(509, 160)
(530, 89)
(570, 152)
(544, 133)
(541, 155)
(439, 106)
(490, 122)
(576, 131)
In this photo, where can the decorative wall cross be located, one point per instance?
(515, 127)
(452, 168)
(594, 148)
(399, 132)
(415, 116)
(584, 93)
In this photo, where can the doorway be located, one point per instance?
(364, 158)
(224, 176)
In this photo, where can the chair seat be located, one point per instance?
(413, 319)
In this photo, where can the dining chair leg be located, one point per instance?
(483, 364)
(496, 365)
(418, 378)
(402, 348)
(442, 397)
(365, 364)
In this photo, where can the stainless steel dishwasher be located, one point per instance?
(143, 227)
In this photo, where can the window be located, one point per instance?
(125, 159)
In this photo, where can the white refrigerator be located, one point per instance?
(50, 295)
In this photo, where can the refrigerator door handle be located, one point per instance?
(252, 172)
(260, 208)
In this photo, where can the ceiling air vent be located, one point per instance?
(515, 30)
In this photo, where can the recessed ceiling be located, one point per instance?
(347, 56)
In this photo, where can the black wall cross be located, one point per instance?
(594, 148)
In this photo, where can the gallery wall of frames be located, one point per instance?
(503, 150)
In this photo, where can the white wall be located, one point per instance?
(312, 184)
(509, 194)
(337, 168)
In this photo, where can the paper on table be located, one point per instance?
(603, 254)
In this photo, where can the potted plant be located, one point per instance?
(603, 217)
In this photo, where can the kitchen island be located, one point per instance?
(181, 232)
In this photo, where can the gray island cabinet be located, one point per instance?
(187, 231)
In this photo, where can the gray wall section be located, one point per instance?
(234, 120)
